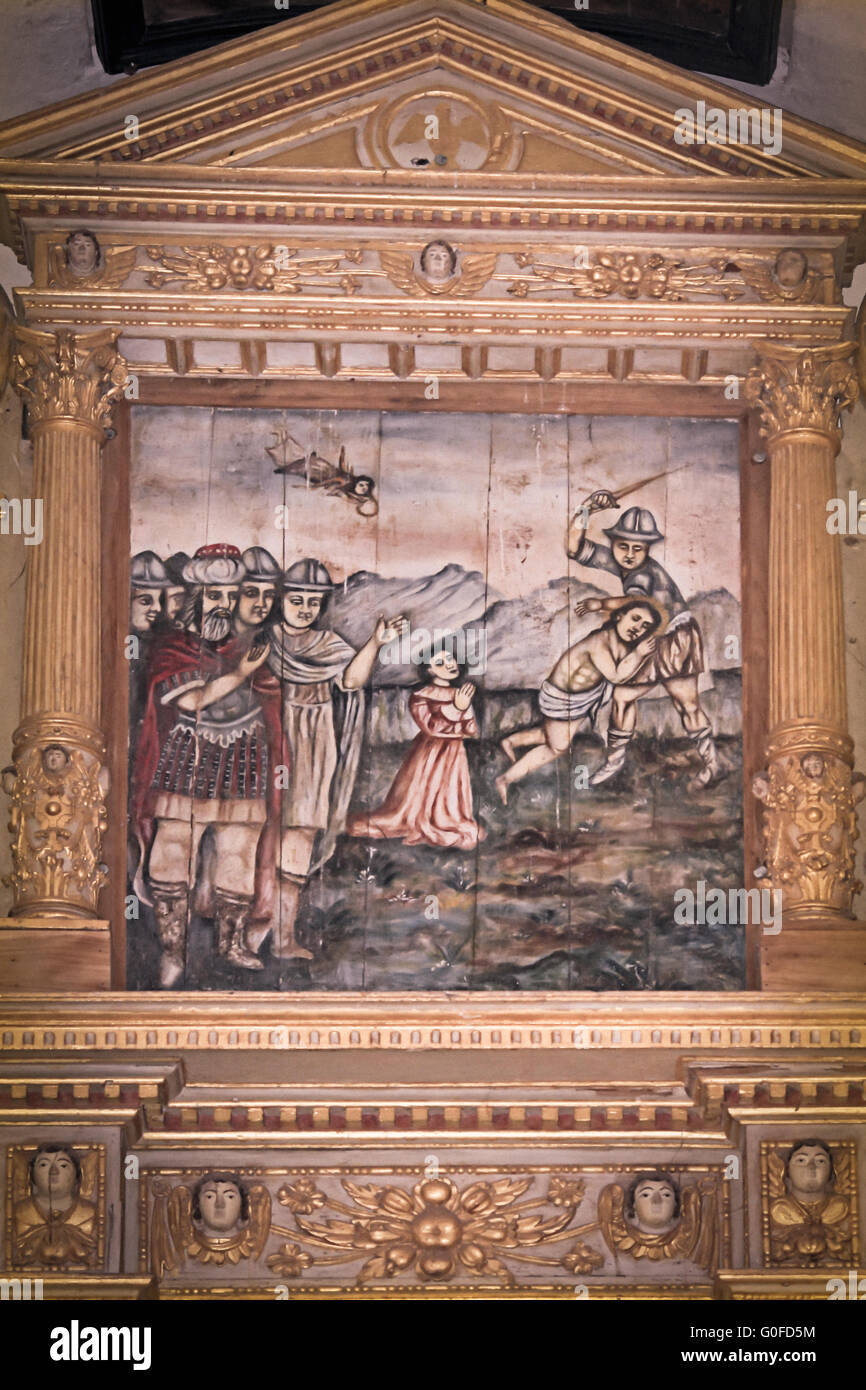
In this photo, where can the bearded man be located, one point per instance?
(209, 744)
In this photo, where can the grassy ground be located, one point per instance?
(571, 889)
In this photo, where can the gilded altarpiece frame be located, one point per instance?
(711, 288)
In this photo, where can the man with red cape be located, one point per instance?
(208, 756)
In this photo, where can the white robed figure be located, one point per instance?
(318, 671)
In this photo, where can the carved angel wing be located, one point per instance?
(58, 270)
(90, 1175)
(758, 275)
(695, 1238)
(20, 1175)
(260, 1218)
(476, 271)
(180, 1218)
(119, 263)
(400, 270)
(842, 1165)
(775, 1174)
(164, 1257)
(611, 1203)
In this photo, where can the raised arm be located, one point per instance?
(360, 668)
(597, 502)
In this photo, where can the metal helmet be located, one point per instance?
(308, 576)
(175, 566)
(260, 565)
(637, 524)
(146, 571)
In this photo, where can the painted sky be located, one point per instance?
(488, 492)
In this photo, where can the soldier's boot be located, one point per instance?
(231, 911)
(171, 909)
(618, 741)
(711, 769)
(284, 945)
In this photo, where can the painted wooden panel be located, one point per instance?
(442, 702)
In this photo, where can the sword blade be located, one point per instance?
(645, 482)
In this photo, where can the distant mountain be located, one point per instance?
(525, 635)
(519, 638)
(451, 601)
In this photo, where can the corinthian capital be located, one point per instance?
(63, 376)
(796, 389)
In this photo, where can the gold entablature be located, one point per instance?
(661, 272)
(152, 1022)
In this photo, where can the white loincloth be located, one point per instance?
(573, 705)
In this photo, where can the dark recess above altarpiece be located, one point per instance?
(727, 38)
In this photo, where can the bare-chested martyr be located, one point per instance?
(580, 683)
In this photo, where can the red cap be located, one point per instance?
(219, 551)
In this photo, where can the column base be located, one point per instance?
(45, 955)
(815, 955)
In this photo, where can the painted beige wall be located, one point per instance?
(48, 55)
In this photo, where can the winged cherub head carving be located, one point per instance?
(438, 262)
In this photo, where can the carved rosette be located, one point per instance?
(63, 376)
(810, 824)
(267, 268)
(57, 818)
(802, 390)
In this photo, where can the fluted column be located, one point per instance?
(57, 792)
(807, 791)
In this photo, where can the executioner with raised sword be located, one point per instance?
(678, 658)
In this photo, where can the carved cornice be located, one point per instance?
(206, 200)
(802, 390)
(64, 376)
(499, 1022)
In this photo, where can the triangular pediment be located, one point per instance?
(453, 86)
